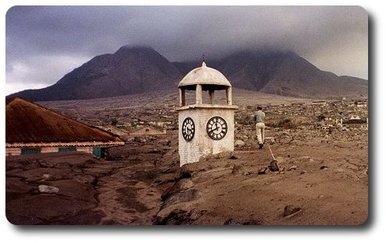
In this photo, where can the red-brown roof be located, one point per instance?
(27, 122)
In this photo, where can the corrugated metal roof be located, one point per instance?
(28, 122)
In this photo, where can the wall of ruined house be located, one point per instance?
(17, 151)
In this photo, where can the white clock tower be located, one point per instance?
(205, 128)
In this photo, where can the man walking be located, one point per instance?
(260, 126)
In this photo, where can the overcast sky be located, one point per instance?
(45, 43)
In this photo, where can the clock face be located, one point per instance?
(188, 129)
(216, 128)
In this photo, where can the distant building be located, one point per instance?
(32, 128)
(143, 131)
(355, 121)
(319, 103)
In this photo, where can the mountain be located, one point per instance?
(130, 70)
(134, 70)
(282, 73)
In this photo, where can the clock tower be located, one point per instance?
(206, 125)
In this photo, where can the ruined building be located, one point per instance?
(32, 128)
(205, 128)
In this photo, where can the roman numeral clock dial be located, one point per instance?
(216, 128)
(188, 129)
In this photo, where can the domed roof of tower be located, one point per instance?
(206, 76)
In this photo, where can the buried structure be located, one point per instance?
(31, 128)
(205, 128)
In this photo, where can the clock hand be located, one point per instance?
(217, 127)
(212, 130)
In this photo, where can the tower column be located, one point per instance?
(182, 96)
(229, 95)
(211, 96)
(198, 94)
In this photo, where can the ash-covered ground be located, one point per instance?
(322, 176)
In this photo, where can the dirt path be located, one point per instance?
(126, 200)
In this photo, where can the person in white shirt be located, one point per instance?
(260, 126)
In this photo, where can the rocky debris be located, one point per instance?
(48, 189)
(305, 159)
(233, 156)
(284, 138)
(54, 188)
(323, 167)
(303, 172)
(183, 196)
(262, 171)
(207, 179)
(184, 173)
(45, 209)
(291, 210)
(185, 184)
(237, 169)
(85, 179)
(178, 217)
(40, 174)
(232, 221)
(75, 190)
(177, 187)
(273, 166)
(247, 173)
(170, 191)
(270, 140)
(293, 167)
(239, 143)
(17, 186)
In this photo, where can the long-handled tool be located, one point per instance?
(273, 157)
(273, 164)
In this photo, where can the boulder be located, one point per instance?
(46, 176)
(290, 210)
(185, 184)
(239, 143)
(323, 167)
(262, 171)
(293, 167)
(48, 189)
(273, 166)
(233, 156)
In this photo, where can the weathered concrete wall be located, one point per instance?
(201, 144)
(84, 149)
(49, 150)
(13, 151)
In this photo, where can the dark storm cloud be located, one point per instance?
(65, 37)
